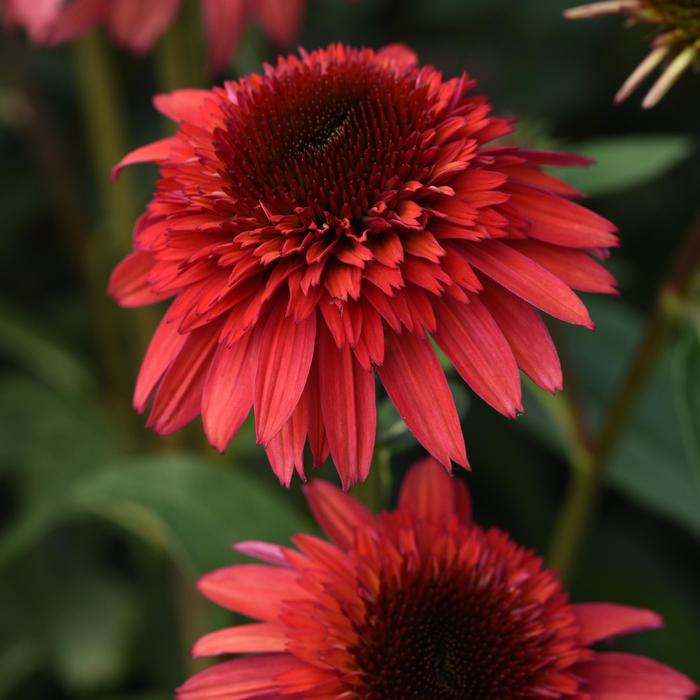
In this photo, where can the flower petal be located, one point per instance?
(229, 390)
(286, 352)
(138, 25)
(348, 408)
(480, 353)
(431, 493)
(223, 23)
(180, 105)
(253, 677)
(245, 639)
(527, 336)
(617, 676)
(416, 384)
(338, 514)
(600, 621)
(152, 152)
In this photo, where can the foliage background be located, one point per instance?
(104, 528)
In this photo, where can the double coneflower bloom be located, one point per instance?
(416, 604)
(676, 45)
(337, 216)
(138, 24)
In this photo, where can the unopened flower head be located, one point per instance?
(329, 219)
(416, 604)
(675, 47)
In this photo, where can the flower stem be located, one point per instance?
(105, 118)
(588, 466)
(180, 54)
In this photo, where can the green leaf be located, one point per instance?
(25, 340)
(649, 463)
(625, 162)
(193, 508)
(686, 388)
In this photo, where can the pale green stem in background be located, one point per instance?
(588, 464)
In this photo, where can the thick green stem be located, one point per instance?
(588, 467)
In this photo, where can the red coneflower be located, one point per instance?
(328, 218)
(677, 44)
(138, 24)
(417, 604)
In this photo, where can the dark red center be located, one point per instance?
(329, 136)
(461, 634)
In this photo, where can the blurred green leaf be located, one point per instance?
(192, 507)
(88, 618)
(625, 162)
(25, 340)
(649, 464)
(686, 386)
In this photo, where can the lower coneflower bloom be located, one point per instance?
(138, 24)
(416, 604)
(677, 45)
(325, 220)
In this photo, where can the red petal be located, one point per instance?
(180, 105)
(164, 347)
(600, 621)
(179, 396)
(416, 384)
(253, 677)
(255, 590)
(245, 639)
(400, 54)
(152, 152)
(524, 277)
(616, 676)
(286, 351)
(138, 25)
(223, 24)
(229, 389)
(128, 283)
(573, 267)
(431, 493)
(338, 514)
(527, 336)
(480, 353)
(286, 450)
(348, 408)
(78, 17)
(281, 19)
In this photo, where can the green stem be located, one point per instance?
(180, 53)
(374, 491)
(588, 466)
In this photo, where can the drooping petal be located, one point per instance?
(430, 492)
(223, 23)
(229, 390)
(180, 105)
(128, 283)
(286, 450)
(164, 347)
(524, 277)
(618, 676)
(253, 590)
(480, 353)
(138, 25)
(281, 19)
(417, 386)
(179, 396)
(348, 408)
(527, 336)
(76, 19)
(153, 152)
(600, 621)
(286, 351)
(338, 514)
(254, 677)
(246, 639)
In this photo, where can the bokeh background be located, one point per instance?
(105, 527)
